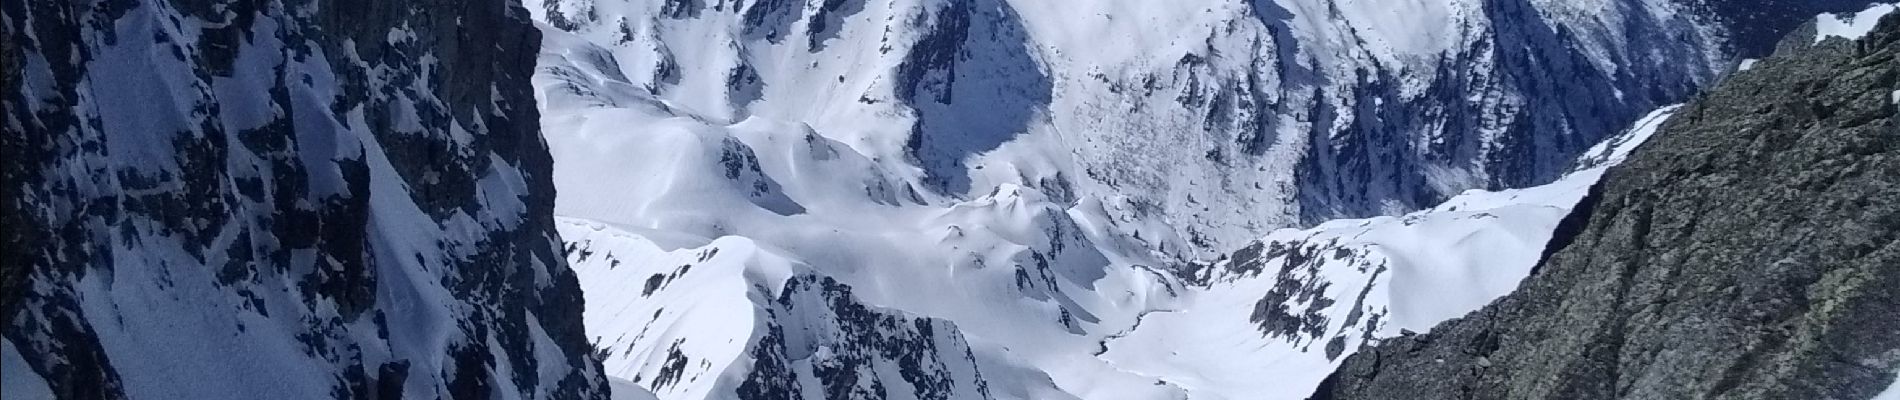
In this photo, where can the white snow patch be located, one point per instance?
(1850, 26)
(1414, 29)
(1614, 150)
(17, 379)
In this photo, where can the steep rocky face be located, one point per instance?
(281, 199)
(1747, 252)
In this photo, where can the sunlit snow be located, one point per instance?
(1850, 26)
(683, 228)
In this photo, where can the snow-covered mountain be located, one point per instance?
(1034, 181)
(737, 230)
(732, 319)
(1225, 118)
(1273, 319)
(715, 254)
(1748, 251)
(280, 200)
(769, 199)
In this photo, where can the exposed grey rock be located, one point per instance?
(1750, 251)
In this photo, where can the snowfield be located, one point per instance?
(1292, 304)
(723, 258)
(1034, 283)
(1114, 199)
(1199, 124)
(805, 199)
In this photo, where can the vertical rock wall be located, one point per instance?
(282, 199)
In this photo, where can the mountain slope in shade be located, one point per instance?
(298, 200)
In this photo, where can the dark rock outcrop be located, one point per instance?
(1750, 251)
(281, 199)
(13, 168)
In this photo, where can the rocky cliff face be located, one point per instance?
(281, 199)
(1747, 252)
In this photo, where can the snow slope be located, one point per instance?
(1274, 319)
(1850, 26)
(1032, 282)
(791, 332)
(1215, 120)
(624, 390)
(700, 238)
(1034, 180)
